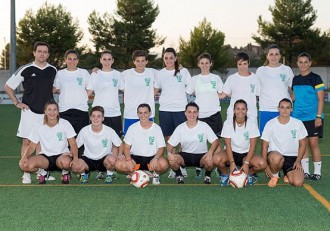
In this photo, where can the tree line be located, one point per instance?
(130, 28)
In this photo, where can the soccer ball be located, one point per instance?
(140, 179)
(238, 179)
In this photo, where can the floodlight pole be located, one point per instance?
(12, 63)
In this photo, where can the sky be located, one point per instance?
(237, 19)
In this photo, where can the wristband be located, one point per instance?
(319, 116)
(156, 157)
(246, 162)
(17, 103)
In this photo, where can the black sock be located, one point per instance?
(208, 173)
(178, 172)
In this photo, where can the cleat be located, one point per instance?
(108, 179)
(84, 178)
(171, 174)
(115, 176)
(285, 179)
(250, 180)
(273, 182)
(207, 180)
(48, 176)
(26, 178)
(199, 172)
(179, 180)
(307, 176)
(66, 178)
(99, 176)
(315, 177)
(184, 171)
(155, 180)
(224, 179)
(42, 179)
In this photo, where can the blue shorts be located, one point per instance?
(129, 122)
(168, 121)
(264, 117)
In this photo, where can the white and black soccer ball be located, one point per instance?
(238, 179)
(140, 179)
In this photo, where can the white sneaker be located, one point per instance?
(171, 174)
(155, 180)
(26, 178)
(99, 176)
(184, 172)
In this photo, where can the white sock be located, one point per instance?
(275, 175)
(42, 172)
(109, 172)
(65, 172)
(305, 165)
(26, 174)
(156, 174)
(317, 167)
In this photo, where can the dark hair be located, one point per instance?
(234, 116)
(176, 64)
(205, 55)
(71, 51)
(271, 46)
(36, 44)
(305, 54)
(192, 104)
(144, 105)
(106, 52)
(242, 56)
(51, 102)
(139, 53)
(285, 100)
(97, 108)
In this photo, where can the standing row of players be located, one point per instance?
(140, 84)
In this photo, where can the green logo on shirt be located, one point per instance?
(294, 134)
(179, 77)
(283, 77)
(151, 140)
(60, 136)
(213, 84)
(246, 135)
(147, 81)
(252, 87)
(200, 137)
(114, 82)
(79, 80)
(105, 143)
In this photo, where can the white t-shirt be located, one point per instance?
(240, 137)
(274, 83)
(206, 88)
(138, 88)
(284, 138)
(144, 142)
(53, 140)
(173, 95)
(97, 145)
(106, 86)
(193, 140)
(242, 87)
(72, 86)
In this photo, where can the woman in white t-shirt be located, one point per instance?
(54, 136)
(240, 134)
(275, 80)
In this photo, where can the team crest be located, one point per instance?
(213, 84)
(147, 81)
(283, 77)
(246, 135)
(151, 140)
(79, 80)
(60, 136)
(252, 87)
(294, 134)
(179, 77)
(200, 137)
(105, 143)
(114, 82)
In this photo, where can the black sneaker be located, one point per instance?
(179, 180)
(307, 176)
(199, 172)
(315, 177)
(207, 180)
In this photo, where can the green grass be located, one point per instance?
(120, 206)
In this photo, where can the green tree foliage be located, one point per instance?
(204, 38)
(127, 31)
(51, 24)
(291, 28)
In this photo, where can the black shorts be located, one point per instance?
(215, 122)
(143, 161)
(312, 130)
(95, 164)
(192, 159)
(238, 158)
(78, 119)
(288, 164)
(52, 162)
(168, 121)
(115, 123)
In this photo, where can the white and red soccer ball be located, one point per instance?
(140, 179)
(238, 179)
